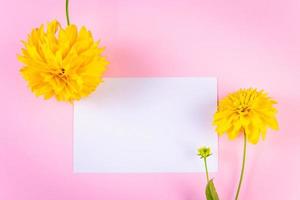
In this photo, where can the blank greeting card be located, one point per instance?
(146, 125)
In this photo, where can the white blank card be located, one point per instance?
(146, 125)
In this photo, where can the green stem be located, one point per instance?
(67, 12)
(243, 167)
(206, 170)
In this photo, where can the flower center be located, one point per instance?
(62, 72)
(61, 75)
(243, 109)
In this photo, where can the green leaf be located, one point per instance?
(210, 191)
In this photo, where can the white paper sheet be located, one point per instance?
(146, 125)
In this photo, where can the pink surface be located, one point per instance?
(243, 43)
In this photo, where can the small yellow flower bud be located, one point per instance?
(204, 152)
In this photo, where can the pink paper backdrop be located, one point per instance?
(243, 43)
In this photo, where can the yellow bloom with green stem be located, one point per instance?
(249, 112)
(64, 63)
(210, 190)
(204, 153)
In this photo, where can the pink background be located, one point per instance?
(243, 43)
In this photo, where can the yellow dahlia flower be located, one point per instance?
(246, 110)
(64, 63)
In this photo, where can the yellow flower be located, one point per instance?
(246, 110)
(62, 63)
